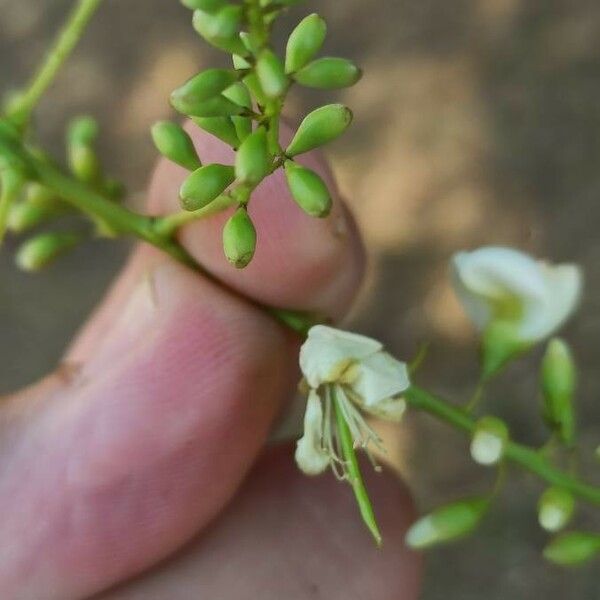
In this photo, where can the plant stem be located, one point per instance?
(527, 458)
(66, 41)
(355, 477)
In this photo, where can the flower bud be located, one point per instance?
(253, 84)
(271, 74)
(573, 548)
(304, 42)
(320, 127)
(39, 194)
(204, 185)
(41, 250)
(221, 127)
(206, 5)
(173, 142)
(239, 239)
(221, 28)
(447, 523)
(558, 379)
(239, 94)
(555, 508)
(489, 441)
(308, 190)
(328, 74)
(27, 215)
(203, 90)
(240, 63)
(82, 158)
(252, 160)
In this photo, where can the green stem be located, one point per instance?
(355, 477)
(66, 41)
(527, 458)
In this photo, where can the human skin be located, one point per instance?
(140, 468)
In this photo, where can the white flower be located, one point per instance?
(498, 284)
(348, 374)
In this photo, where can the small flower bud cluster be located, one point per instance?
(242, 107)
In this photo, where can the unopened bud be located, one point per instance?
(221, 127)
(204, 185)
(328, 74)
(271, 74)
(27, 215)
(320, 127)
(489, 441)
(221, 28)
(82, 158)
(447, 523)
(559, 379)
(43, 249)
(201, 94)
(304, 42)
(172, 141)
(308, 190)
(573, 548)
(206, 5)
(252, 160)
(239, 239)
(555, 508)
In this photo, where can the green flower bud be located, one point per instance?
(27, 215)
(308, 190)
(304, 42)
(221, 28)
(320, 127)
(81, 156)
(204, 185)
(489, 440)
(573, 548)
(39, 194)
(41, 250)
(253, 84)
(214, 107)
(172, 141)
(555, 508)
(195, 93)
(499, 345)
(239, 94)
(559, 380)
(243, 127)
(447, 523)
(271, 74)
(328, 74)
(239, 62)
(252, 160)
(221, 127)
(206, 5)
(239, 239)
(82, 130)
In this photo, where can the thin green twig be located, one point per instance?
(66, 41)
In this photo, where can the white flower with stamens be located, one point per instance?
(351, 374)
(497, 284)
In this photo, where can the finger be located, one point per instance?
(110, 468)
(300, 262)
(287, 536)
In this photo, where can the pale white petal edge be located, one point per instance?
(310, 456)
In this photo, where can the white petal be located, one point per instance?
(310, 456)
(563, 292)
(389, 409)
(487, 448)
(492, 276)
(327, 352)
(380, 377)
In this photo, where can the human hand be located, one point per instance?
(147, 447)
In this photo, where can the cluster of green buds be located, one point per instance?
(242, 106)
(28, 206)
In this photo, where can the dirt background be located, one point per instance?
(478, 121)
